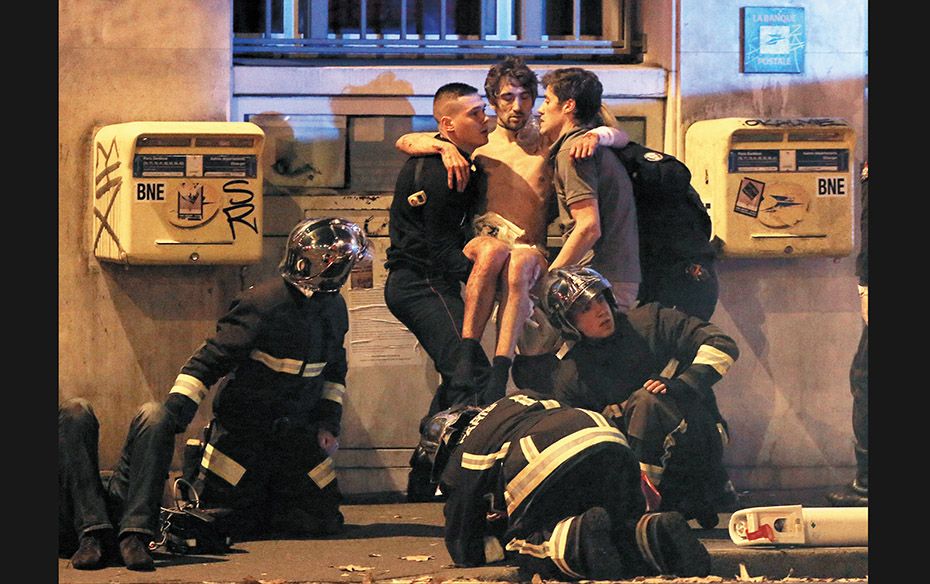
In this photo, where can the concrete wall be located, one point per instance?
(125, 332)
(796, 320)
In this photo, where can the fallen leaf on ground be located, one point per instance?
(373, 555)
(353, 568)
(417, 558)
(745, 577)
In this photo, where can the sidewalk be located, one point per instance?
(402, 543)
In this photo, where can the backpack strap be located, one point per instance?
(417, 171)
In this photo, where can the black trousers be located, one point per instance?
(270, 480)
(433, 309)
(690, 285)
(859, 387)
(679, 443)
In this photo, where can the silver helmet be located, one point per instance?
(568, 287)
(321, 253)
(440, 434)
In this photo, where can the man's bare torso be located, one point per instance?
(519, 181)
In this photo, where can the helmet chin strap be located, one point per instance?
(305, 290)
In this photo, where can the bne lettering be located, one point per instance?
(150, 192)
(831, 186)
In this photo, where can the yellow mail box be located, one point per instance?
(177, 193)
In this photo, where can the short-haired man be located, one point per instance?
(509, 247)
(425, 262)
(653, 368)
(597, 211)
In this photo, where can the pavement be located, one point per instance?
(401, 543)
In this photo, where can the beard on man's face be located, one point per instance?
(512, 122)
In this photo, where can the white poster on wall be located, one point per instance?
(376, 338)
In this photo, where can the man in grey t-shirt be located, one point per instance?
(597, 212)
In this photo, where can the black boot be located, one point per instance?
(856, 493)
(497, 384)
(134, 550)
(463, 377)
(666, 541)
(599, 552)
(852, 495)
(717, 499)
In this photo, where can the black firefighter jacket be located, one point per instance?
(283, 356)
(509, 451)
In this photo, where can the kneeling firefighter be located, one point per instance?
(653, 370)
(268, 453)
(552, 488)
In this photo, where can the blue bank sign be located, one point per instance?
(773, 39)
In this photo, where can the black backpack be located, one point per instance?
(662, 189)
(674, 225)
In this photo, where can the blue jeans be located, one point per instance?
(131, 497)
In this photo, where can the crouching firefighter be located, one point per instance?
(652, 369)
(553, 489)
(268, 454)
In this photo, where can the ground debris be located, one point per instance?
(353, 568)
(745, 577)
(677, 580)
(416, 558)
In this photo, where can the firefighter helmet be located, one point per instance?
(321, 252)
(440, 434)
(572, 287)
